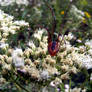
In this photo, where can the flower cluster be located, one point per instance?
(10, 2)
(8, 26)
(34, 60)
(77, 13)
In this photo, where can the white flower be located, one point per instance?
(24, 2)
(76, 12)
(70, 36)
(17, 52)
(21, 23)
(18, 60)
(31, 45)
(76, 90)
(39, 33)
(90, 52)
(86, 61)
(45, 74)
(7, 25)
(2, 81)
(56, 82)
(37, 36)
(7, 66)
(66, 88)
(5, 29)
(3, 45)
(5, 35)
(10, 2)
(88, 43)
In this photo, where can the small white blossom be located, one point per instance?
(90, 52)
(18, 60)
(7, 67)
(11, 2)
(88, 43)
(24, 2)
(3, 45)
(86, 61)
(37, 36)
(70, 36)
(76, 12)
(39, 33)
(17, 52)
(31, 45)
(21, 23)
(45, 74)
(66, 88)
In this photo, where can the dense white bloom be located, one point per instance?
(76, 12)
(2, 81)
(38, 34)
(18, 60)
(21, 23)
(10, 2)
(66, 87)
(3, 45)
(45, 74)
(24, 2)
(90, 52)
(17, 52)
(76, 90)
(7, 66)
(70, 36)
(88, 43)
(31, 45)
(8, 25)
(86, 61)
(56, 82)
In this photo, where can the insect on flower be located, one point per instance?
(53, 39)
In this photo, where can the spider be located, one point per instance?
(53, 39)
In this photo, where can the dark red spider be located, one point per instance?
(53, 47)
(53, 40)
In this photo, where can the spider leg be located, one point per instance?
(49, 34)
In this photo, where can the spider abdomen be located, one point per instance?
(53, 48)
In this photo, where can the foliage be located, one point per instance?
(74, 17)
